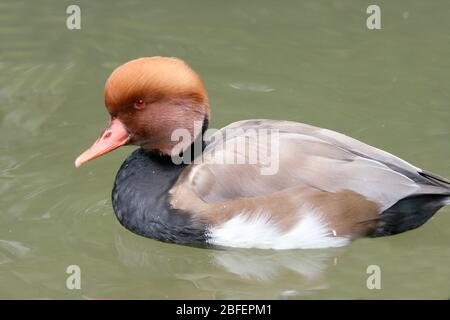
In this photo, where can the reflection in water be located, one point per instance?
(264, 265)
(269, 273)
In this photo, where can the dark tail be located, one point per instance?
(413, 211)
(409, 213)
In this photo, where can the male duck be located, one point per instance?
(326, 190)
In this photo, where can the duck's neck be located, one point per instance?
(140, 198)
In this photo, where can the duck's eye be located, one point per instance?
(139, 104)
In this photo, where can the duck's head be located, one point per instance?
(147, 99)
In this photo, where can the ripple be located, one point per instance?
(255, 87)
(15, 248)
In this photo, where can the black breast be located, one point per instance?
(140, 200)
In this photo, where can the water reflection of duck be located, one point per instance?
(223, 273)
(326, 190)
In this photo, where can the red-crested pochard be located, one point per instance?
(326, 190)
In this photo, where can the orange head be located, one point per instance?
(148, 99)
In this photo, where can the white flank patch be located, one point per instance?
(257, 231)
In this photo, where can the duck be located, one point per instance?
(258, 183)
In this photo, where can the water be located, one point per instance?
(305, 61)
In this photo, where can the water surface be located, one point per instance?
(308, 61)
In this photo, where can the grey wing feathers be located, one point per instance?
(309, 156)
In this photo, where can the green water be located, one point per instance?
(309, 61)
